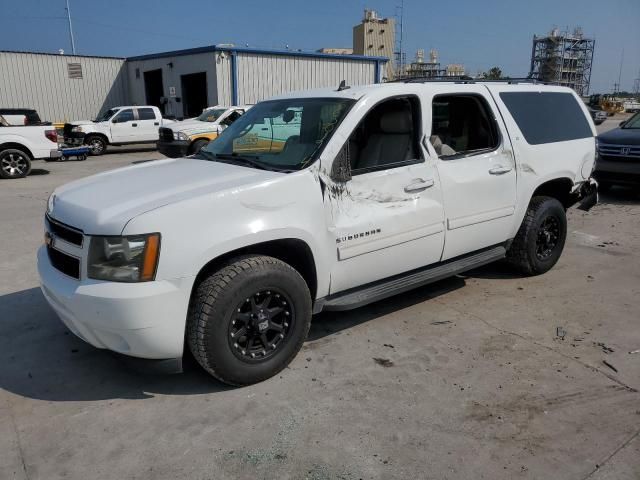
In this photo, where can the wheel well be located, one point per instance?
(101, 135)
(292, 251)
(16, 146)
(558, 188)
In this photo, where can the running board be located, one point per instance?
(355, 298)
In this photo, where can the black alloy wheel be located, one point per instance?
(260, 325)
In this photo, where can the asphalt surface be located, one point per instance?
(487, 375)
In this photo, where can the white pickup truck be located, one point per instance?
(117, 126)
(21, 144)
(364, 193)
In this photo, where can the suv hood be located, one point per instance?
(103, 204)
(192, 127)
(621, 136)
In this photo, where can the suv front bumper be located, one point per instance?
(174, 149)
(145, 320)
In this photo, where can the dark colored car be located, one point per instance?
(31, 116)
(598, 116)
(618, 161)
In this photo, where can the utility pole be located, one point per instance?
(399, 37)
(73, 43)
(620, 72)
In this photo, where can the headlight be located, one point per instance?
(180, 136)
(76, 129)
(124, 259)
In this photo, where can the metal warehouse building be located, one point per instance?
(62, 87)
(181, 83)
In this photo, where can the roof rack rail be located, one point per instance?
(467, 80)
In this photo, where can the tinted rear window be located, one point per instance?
(146, 114)
(547, 117)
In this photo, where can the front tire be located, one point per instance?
(97, 145)
(198, 145)
(14, 163)
(541, 237)
(249, 319)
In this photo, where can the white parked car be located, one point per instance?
(19, 145)
(117, 126)
(365, 193)
(188, 137)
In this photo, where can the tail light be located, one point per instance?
(51, 135)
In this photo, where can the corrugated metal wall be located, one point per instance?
(181, 65)
(261, 76)
(41, 81)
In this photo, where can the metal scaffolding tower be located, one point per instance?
(563, 58)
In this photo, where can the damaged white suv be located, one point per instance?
(326, 199)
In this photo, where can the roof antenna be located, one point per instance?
(343, 86)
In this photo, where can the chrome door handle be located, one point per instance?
(419, 185)
(500, 170)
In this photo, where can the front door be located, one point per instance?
(476, 167)
(389, 217)
(122, 129)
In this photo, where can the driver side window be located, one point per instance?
(124, 116)
(387, 137)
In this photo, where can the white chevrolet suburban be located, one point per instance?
(19, 145)
(117, 126)
(371, 191)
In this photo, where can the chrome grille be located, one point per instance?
(619, 152)
(65, 232)
(166, 134)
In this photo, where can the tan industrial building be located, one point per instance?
(375, 36)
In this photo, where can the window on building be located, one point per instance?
(387, 137)
(462, 125)
(381, 31)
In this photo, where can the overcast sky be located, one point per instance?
(478, 33)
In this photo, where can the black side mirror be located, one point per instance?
(341, 168)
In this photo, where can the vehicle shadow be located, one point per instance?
(332, 323)
(620, 195)
(41, 359)
(130, 149)
(38, 171)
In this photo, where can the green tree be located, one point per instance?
(494, 73)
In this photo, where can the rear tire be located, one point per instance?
(14, 163)
(97, 145)
(541, 237)
(249, 319)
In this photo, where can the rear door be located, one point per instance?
(476, 166)
(147, 125)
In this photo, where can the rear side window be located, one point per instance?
(547, 117)
(146, 114)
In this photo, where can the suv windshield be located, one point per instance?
(280, 134)
(633, 122)
(106, 115)
(211, 114)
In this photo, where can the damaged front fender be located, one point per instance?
(586, 195)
